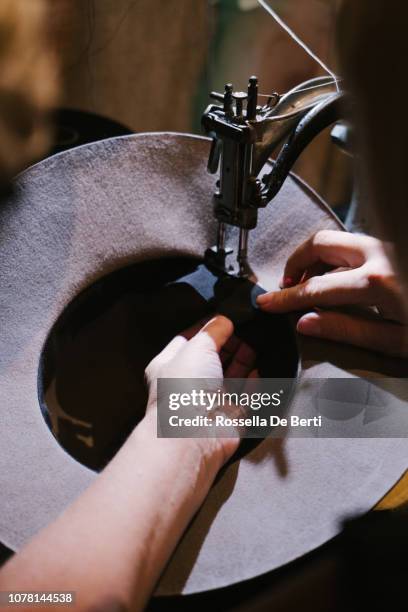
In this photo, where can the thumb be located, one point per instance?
(374, 334)
(219, 329)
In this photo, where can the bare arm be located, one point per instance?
(111, 545)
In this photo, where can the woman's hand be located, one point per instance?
(137, 509)
(334, 269)
(191, 355)
(197, 357)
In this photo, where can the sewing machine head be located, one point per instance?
(244, 136)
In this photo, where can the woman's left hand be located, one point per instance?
(334, 269)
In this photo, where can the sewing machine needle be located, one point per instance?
(243, 252)
(221, 237)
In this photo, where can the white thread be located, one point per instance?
(303, 89)
(298, 40)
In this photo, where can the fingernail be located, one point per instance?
(287, 281)
(309, 324)
(261, 299)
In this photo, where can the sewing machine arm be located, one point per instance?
(313, 123)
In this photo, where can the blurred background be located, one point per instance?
(148, 65)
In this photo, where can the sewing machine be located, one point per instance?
(243, 141)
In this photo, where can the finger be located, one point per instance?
(229, 349)
(335, 248)
(248, 387)
(219, 329)
(242, 362)
(335, 289)
(232, 344)
(377, 335)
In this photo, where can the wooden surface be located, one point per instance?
(398, 495)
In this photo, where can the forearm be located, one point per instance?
(111, 545)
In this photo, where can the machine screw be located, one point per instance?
(252, 98)
(239, 97)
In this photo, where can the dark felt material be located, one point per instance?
(94, 360)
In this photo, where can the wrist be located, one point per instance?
(202, 456)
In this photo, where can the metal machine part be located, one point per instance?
(244, 139)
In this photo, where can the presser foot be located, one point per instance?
(215, 260)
